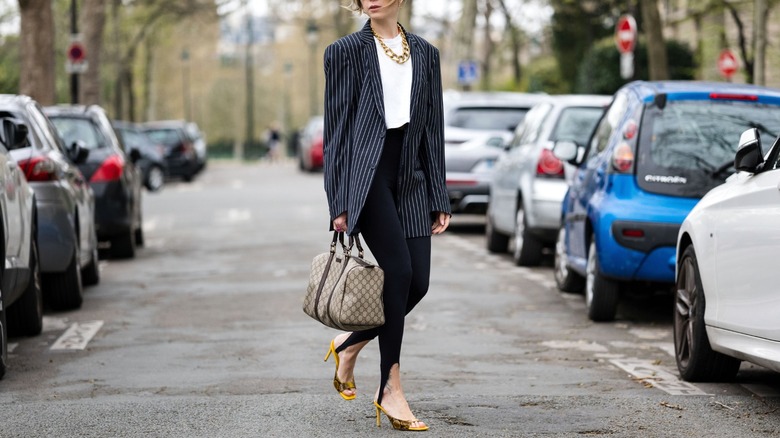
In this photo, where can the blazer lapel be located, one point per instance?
(418, 75)
(371, 68)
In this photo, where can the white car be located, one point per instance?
(727, 302)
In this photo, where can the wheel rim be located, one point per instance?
(685, 312)
(156, 178)
(519, 230)
(591, 271)
(561, 260)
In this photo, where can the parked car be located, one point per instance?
(528, 183)
(21, 309)
(152, 162)
(491, 117)
(310, 152)
(65, 205)
(111, 173)
(198, 139)
(726, 303)
(658, 149)
(180, 152)
(468, 115)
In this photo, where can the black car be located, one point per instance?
(152, 162)
(180, 152)
(111, 172)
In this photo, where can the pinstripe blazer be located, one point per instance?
(355, 130)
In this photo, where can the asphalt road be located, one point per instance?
(202, 335)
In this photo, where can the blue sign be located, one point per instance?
(467, 72)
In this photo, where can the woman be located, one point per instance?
(384, 178)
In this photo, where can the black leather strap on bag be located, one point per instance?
(325, 273)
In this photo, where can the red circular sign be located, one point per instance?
(727, 63)
(76, 53)
(625, 34)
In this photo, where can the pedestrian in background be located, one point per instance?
(274, 139)
(385, 178)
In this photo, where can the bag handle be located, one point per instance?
(353, 240)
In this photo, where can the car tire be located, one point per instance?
(528, 248)
(25, 316)
(90, 275)
(696, 360)
(3, 343)
(566, 279)
(64, 291)
(496, 242)
(139, 237)
(123, 246)
(601, 293)
(155, 179)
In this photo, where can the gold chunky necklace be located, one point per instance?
(403, 57)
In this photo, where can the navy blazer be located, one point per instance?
(355, 130)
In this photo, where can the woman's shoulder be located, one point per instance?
(345, 43)
(422, 42)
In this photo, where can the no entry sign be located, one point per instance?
(625, 34)
(727, 63)
(76, 56)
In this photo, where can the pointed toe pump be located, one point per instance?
(338, 384)
(397, 424)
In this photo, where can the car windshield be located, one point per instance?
(167, 137)
(74, 129)
(686, 148)
(131, 138)
(487, 118)
(576, 124)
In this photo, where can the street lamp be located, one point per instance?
(312, 36)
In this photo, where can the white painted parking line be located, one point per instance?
(652, 374)
(51, 324)
(77, 336)
(580, 345)
(12, 346)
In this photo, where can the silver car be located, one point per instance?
(529, 184)
(476, 127)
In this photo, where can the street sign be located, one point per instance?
(727, 63)
(467, 72)
(625, 34)
(76, 56)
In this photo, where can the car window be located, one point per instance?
(682, 146)
(608, 124)
(131, 138)
(166, 136)
(74, 129)
(487, 118)
(46, 127)
(532, 123)
(576, 124)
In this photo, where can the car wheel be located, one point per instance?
(528, 249)
(64, 290)
(3, 344)
(123, 247)
(696, 360)
(25, 316)
(139, 236)
(90, 275)
(566, 279)
(496, 242)
(155, 179)
(601, 294)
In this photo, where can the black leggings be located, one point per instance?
(406, 262)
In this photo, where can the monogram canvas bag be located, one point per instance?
(345, 292)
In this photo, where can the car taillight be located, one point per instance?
(729, 96)
(39, 169)
(110, 170)
(549, 165)
(623, 158)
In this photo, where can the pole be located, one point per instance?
(759, 63)
(74, 29)
(185, 80)
(250, 84)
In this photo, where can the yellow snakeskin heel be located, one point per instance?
(338, 384)
(397, 424)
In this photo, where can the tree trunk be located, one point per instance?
(759, 69)
(656, 46)
(406, 14)
(37, 51)
(94, 19)
(489, 48)
(514, 39)
(466, 27)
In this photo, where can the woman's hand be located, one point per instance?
(340, 223)
(441, 223)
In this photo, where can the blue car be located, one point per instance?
(657, 150)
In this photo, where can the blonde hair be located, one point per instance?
(356, 6)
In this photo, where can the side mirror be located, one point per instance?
(749, 157)
(15, 134)
(135, 155)
(567, 151)
(78, 152)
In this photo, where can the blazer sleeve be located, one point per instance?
(337, 135)
(433, 150)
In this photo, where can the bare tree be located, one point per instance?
(94, 19)
(464, 48)
(656, 45)
(490, 46)
(37, 51)
(514, 40)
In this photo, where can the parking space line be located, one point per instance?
(12, 346)
(650, 373)
(77, 336)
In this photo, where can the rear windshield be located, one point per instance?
(79, 129)
(688, 148)
(576, 124)
(131, 138)
(486, 118)
(168, 137)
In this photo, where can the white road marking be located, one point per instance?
(649, 373)
(77, 336)
(12, 346)
(650, 334)
(51, 324)
(581, 345)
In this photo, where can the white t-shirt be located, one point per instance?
(396, 83)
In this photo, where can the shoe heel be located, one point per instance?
(378, 419)
(327, 356)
